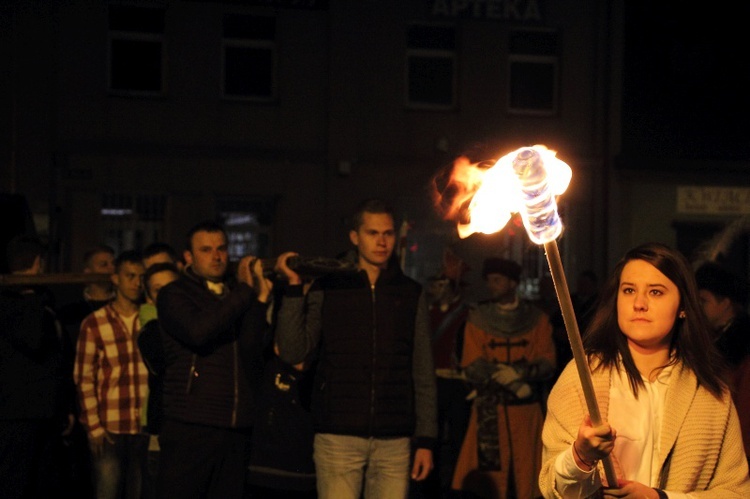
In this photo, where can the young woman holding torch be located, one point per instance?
(668, 422)
(644, 402)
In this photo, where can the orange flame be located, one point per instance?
(482, 198)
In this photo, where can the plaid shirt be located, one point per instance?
(110, 376)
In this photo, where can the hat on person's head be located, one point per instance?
(508, 268)
(722, 282)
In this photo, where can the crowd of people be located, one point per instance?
(187, 375)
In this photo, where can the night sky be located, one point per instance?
(686, 81)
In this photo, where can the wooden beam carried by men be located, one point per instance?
(52, 279)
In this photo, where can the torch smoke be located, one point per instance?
(540, 216)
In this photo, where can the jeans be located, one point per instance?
(120, 469)
(342, 461)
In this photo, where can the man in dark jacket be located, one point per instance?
(212, 332)
(36, 386)
(374, 388)
(724, 294)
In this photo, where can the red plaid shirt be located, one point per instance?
(110, 376)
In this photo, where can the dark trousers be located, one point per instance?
(27, 465)
(453, 419)
(74, 454)
(152, 472)
(201, 462)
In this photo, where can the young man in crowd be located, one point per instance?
(112, 383)
(150, 345)
(375, 382)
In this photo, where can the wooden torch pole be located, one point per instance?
(576, 344)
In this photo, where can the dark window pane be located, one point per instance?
(431, 80)
(532, 86)
(136, 65)
(248, 71)
(250, 27)
(136, 19)
(431, 37)
(533, 43)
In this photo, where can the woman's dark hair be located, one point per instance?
(691, 341)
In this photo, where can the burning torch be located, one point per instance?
(535, 176)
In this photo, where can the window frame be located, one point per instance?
(435, 53)
(541, 59)
(252, 43)
(132, 219)
(262, 211)
(114, 35)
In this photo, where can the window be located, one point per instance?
(248, 224)
(431, 67)
(249, 57)
(533, 66)
(136, 50)
(132, 220)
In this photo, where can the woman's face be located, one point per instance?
(647, 305)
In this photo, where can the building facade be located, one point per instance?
(127, 122)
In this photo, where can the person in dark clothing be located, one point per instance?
(374, 388)
(100, 259)
(156, 253)
(160, 252)
(150, 343)
(212, 333)
(448, 313)
(281, 453)
(36, 388)
(724, 296)
(156, 277)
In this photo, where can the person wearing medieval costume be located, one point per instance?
(508, 357)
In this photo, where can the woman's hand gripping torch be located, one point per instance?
(543, 225)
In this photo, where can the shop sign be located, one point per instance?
(713, 200)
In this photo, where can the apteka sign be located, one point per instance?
(493, 10)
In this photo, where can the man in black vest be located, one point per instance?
(374, 389)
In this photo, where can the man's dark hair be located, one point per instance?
(129, 256)
(204, 226)
(156, 248)
(722, 282)
(372, 205)
(95, 250)
(509, 268)
(22, 250)
(155, 269)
